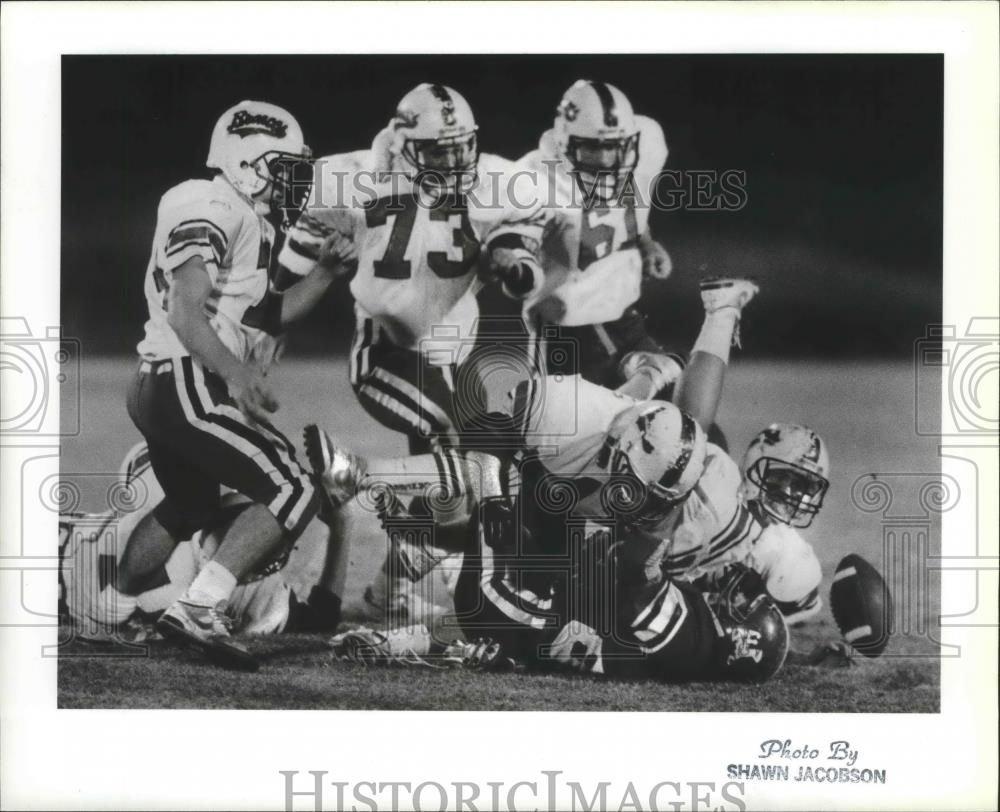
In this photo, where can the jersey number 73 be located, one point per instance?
(403, 211)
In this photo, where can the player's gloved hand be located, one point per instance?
(338, 255)
(486, 654)
(656, 262)
(646, 373)
(516, 269)
(249, 387)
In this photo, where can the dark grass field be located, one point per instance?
(865, 411)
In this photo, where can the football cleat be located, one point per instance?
(718, 293)
(406, 645)
(206, 628)
(338, 470)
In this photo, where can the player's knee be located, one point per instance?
(183, 521)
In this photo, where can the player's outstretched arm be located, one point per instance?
(187, 317)
(337, 258)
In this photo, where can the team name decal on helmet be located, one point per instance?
(245, 123)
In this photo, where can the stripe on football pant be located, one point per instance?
(386, 401)
(228, 424)
(393, 382)
(507, 599)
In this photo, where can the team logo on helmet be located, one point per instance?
(568, 110)
(245, 124)
(746, 645)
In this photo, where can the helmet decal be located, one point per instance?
(688, 433)
(245, 123)
(568, 110)
(771, 435)
(607, 102)
(447, 105)
(746, 645)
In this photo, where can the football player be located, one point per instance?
(90, 552)
(597, 615)
(199, 397)
(562, 423)
(579, 267)
(785, 479)
(416, 207)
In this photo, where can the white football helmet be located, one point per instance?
(435, 137)
(595, 130)
(661, 447)
(259, 148)
(785, 472)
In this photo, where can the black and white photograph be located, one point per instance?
(614, 380)
(498, 364)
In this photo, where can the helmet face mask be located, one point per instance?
(443, 164)
(790, 493)
(603, 166)
(785, 472)
(289, 178)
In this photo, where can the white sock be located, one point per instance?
(717, 333)
(214, 583)
(114, 607)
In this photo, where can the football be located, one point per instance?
(861, 605)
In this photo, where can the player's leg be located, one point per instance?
(492, 600)
(192, 502)
(700, 388)
(209, 431)
(400, 391)
(320, 612)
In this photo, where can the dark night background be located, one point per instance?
(843, 157)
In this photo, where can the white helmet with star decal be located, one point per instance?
(785, 472)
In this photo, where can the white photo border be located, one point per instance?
(63, 759)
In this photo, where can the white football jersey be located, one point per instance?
(564, 418)
(790, 569)
(416, 261)
(211, 220)
(713, 528)
(588, 250)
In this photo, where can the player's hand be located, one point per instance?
(486, 654)
(516, 269)
(338, 255)
(549, 310)
(250, 389)
(656, 262)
